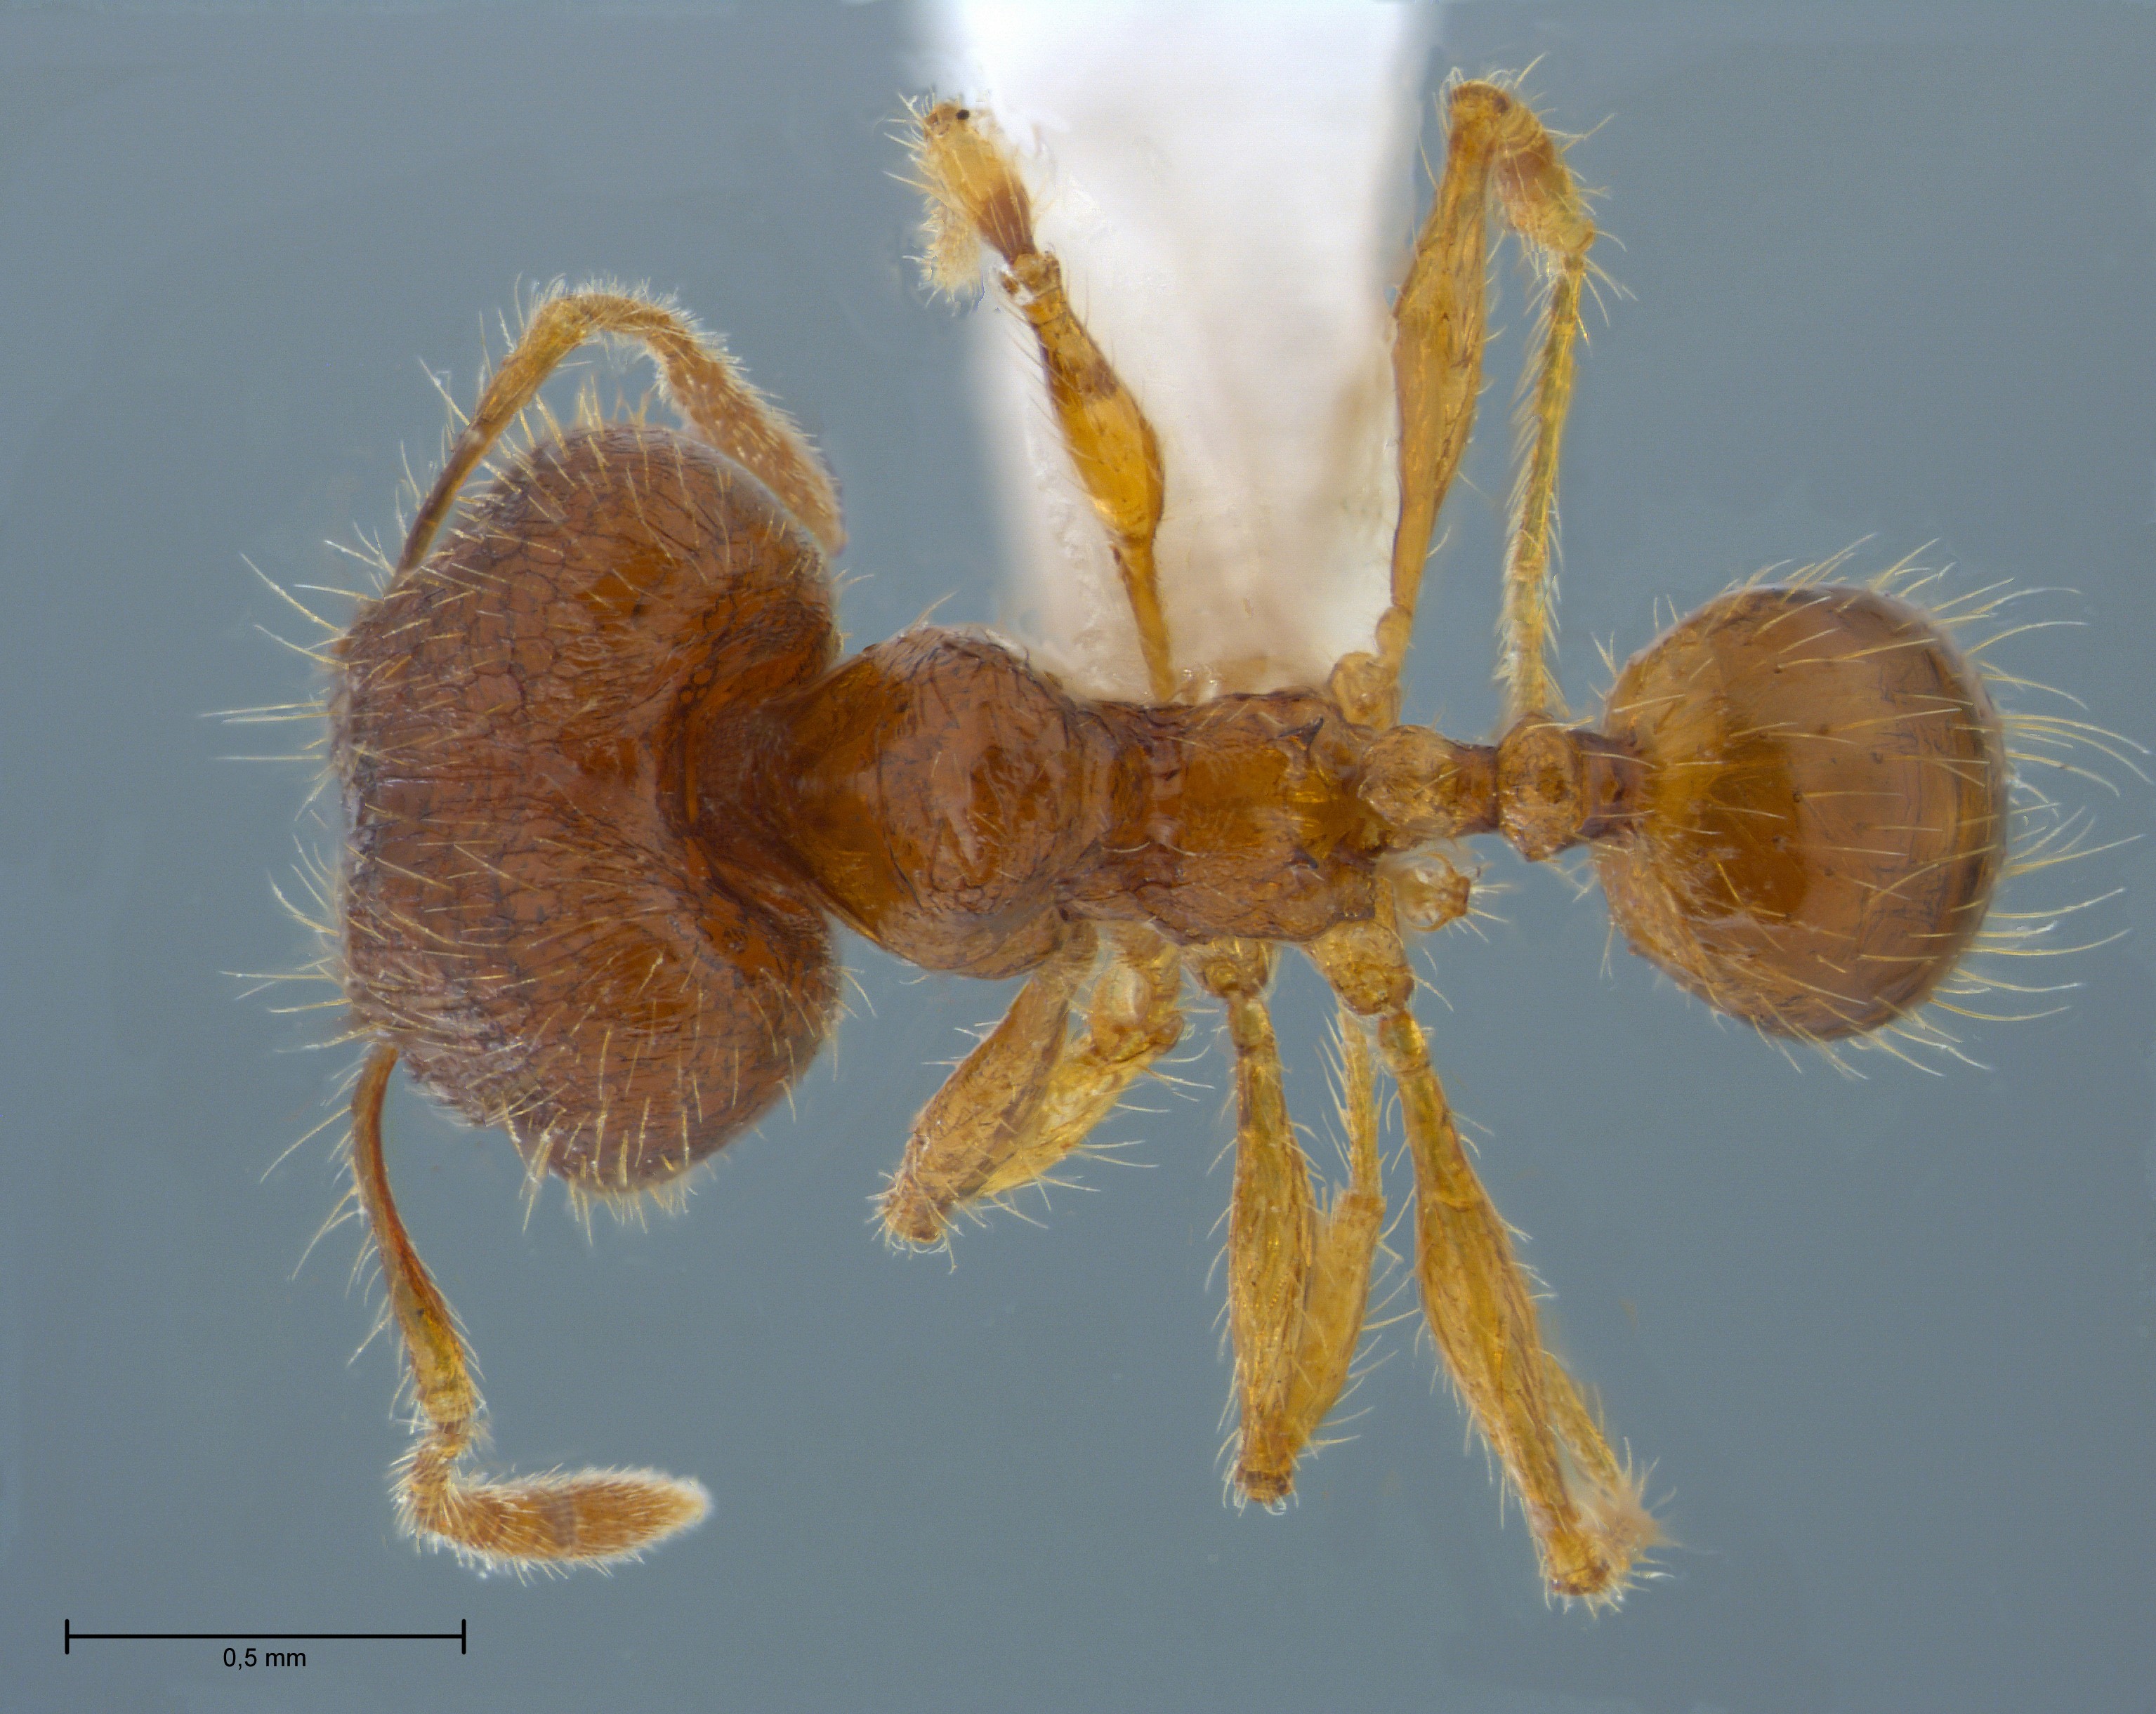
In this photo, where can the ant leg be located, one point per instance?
(699, 379)
(1131, 1019)
(1582, 1503)
(1438, 330)
(1027, 1096)
(592, 1517)
(1298, 1282)
(1545, 208)
(965, 1132)
(975, 195)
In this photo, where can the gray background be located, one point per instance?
(1887, 1341)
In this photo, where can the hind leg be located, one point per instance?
(1581, 1502)
(1496, 150)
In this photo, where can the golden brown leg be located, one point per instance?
(975, 196)
(1494, 141)
(591, 1517)
(967, 1129)
(1339, 1290)
(1545, 207)
(1297, 1282)
(700, 380)
(1584, 1506)
(1029, 1095)
(1582, 1503)
(1131, 1019)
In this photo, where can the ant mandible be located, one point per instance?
(607, 782)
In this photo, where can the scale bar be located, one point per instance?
(70, 1636)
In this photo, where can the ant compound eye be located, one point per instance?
(1823, 816)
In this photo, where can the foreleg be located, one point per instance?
(976, 196)
(1029, 1095)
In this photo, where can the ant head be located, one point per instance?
(527, 917)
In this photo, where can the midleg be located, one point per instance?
(1298, 1282)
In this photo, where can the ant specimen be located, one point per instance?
(607, 781)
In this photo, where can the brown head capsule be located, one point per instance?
(1823, 814)
(525, 916)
